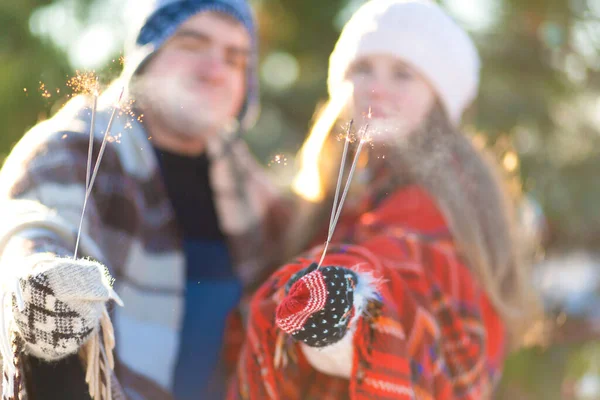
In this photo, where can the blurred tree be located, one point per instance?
(540, 84)
(26, 61)
(34, 69)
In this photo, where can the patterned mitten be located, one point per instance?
(318, 305)
(321, 309)
(64, 300)
(59, 309)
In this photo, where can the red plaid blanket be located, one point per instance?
(435, 334)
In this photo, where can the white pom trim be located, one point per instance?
(367, 289)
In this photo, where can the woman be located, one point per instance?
(423, 291)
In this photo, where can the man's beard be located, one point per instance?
(176, 107)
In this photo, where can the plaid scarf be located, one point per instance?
(434, 335)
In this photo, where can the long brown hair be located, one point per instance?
(465, 185)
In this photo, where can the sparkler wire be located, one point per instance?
(337, 207)
(90, 183)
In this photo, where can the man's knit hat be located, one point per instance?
(420, 33)
(318, 305)
(160, 19)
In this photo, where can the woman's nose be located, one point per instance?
(377, 89)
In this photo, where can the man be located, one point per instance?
(180, 213)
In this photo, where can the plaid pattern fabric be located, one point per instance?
(434, 336)
(130, 226)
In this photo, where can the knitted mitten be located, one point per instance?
(321, 309)
(318, 305)
(58, 306)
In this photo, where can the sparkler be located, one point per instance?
(337, 207)
(87, 83)
(84, 83)
(89, 180)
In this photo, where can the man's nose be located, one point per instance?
(213, 67)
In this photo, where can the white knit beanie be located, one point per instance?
(421, 34)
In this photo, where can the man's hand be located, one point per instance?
(60, 304)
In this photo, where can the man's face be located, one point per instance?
(196, 83)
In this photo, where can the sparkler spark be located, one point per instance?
(129, 110)
(114, 138)
(278, 159)
(350, 137)
(84, 83)
(45, 93)
(81, 83)
(363, 135)
(347, 135)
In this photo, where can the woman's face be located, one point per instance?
(395, 95)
